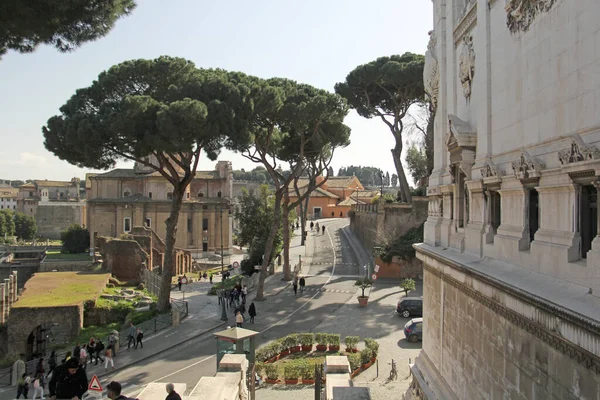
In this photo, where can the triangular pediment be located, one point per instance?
(460, 134)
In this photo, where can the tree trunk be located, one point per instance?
(269, 247)
(302, 222)
(287, 273)
(404, 190)
(169, 261)
(304, 218)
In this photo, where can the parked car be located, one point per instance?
(410, 306)
(413, 330)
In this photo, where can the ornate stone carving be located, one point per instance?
(520, 14)
(431, 73)
(527, 166)
(489, 170)
(579, 151)
(435, 206)
(466, 65)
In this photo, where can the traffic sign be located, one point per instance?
(374, 277)
(95, 385)
(236, 264)
(376, 268)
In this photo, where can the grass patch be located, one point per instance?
(53, 289)
(57, 255)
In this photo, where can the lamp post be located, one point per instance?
(357, 198)
(223, 310)
(381, 176)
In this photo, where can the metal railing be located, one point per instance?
(181, 306)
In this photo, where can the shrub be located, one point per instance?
(365, 355)
(272, 371)
(262, 354)
(291, 371)
(290, 340)
(407, 285)
(306, 339)
(322, 339)
(402, 247)
(363, 283)
(259, 368)
(307, 370)
(333, 339)
(75, 239)
(372, 345)
(351, 341)
(355, 360)
(228, 284)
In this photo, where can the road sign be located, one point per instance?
(236, 264)
(376, 268)
(374, 277)
(95, 385)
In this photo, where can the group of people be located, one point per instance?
(298, 281)
(316, 227)
(135, 336)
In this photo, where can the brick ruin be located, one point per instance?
(8, 295)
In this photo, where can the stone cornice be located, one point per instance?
(561, 344)
(465, 23)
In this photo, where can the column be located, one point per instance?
(15, 291)
(3, 310)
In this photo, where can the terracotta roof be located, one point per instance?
(339, 181)
(319, 192)
(349, 202)
(47, 183)
(130, 173)
(4, 185)
(28, 185)
(367, 193)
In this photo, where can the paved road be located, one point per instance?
(334, 269)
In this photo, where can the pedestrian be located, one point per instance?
(295, 285)
(113, 390)
(76, 351)
(38, 387)
(312, 225)
(139, 337)
(91, 349)
(83, 355)
(205, 276)
(132, 334)
(39, 368)
(108, 357)
(323, 228)
(113, 341)
(22, 387)
(239, 319)
(242, 310)
(171, 393)
(252, 312)
(69, 382)
(98, 349)
(302, 284)
(51, 363)
(179, 283)
(210, 278)
(244, 293)
(318, 229)
(219, 295)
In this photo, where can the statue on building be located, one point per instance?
(431, 73)
(466, 65)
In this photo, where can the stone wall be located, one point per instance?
(22, 321)
(484, 341)
(399, 268)
(65, 266)
(124, 259)
(24, 271)
(8, 295)
(53, 218)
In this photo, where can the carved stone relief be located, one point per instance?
(520, 14)
(431, 73)
(489, 170)
(435, 206)
(578, 151)
(527, 166)
(466, 64)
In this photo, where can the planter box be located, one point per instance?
(334, 348)
(284, 353)
(362, 301)
(367, 365)
(272, 360)
(349, 350)
(321, 347)
(355, 372)
(272, 381)
(291, 381)
(295, 349)
(307, 348)
(308, 381)
(373, 360)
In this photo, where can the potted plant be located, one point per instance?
(293, 341)
(286, 343)
(372, 345)
(291, 373)
(365, 358)
(274, 350)
(322, 340)
(351, 343)
(259, 368)
(334, 342)
(272, 372)
(306, 340)
(307, 373)
(354, 360)
(363, 283)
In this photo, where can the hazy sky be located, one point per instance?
(315, 42)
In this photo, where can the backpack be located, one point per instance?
(36, 383)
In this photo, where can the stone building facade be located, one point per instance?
(122, 199)
(8, 197)
(512, 248)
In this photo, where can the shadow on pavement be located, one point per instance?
(405, 344)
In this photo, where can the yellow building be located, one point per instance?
(121, 199)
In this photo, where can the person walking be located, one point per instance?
(318, 229)
(244, 293)
(71, 381)
(323, 228)
(98, 349)
(108, 358)
(22, 388)
(252, 312)
(38, 387)
(210, 278)
(51, 363)
(302, 284)
(171, 393)
(179, 283)
(39, 368)
(138, 339)
(83, 356)
(131, 336)
(295, 285)
(91, 349)
(113, 390)
(312, 225)
(239, 319)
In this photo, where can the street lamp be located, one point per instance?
(223, 310)
(357, 198)
(381, 176)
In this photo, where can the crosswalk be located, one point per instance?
(325, 289)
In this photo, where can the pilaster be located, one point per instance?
(475, 228)
(446, 225)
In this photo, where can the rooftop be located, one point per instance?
(130, 173)
(47, 183)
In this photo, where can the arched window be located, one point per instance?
(169, 195)
(126, 193)
(200, 194)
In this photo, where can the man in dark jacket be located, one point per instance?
(99, 347)
(68, 381)
(172, 394)
(114, 391)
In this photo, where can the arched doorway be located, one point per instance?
(41, 338)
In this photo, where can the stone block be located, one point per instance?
(336, 380)
(158, 391)
(215, 388)
(233, 363)
(337, 364)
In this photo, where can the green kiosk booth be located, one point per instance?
(236, 341)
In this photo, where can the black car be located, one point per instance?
(413, 330)
(410, 306)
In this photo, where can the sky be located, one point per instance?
(314, 42)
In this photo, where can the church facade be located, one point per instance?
(511, 248)
(122, 199)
